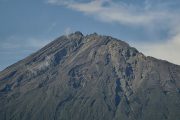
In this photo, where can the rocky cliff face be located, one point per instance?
(90, 77)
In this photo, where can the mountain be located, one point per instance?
(90, 77)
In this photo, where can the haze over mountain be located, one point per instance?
(90, 77)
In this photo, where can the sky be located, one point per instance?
(152, 26)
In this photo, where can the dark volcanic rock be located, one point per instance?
(90, 77)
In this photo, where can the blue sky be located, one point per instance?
(152, 26)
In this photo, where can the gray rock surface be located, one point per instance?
(91, 77)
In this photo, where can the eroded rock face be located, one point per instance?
(90, 77)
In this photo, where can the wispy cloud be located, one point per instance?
(18, 43)
(120, 12)
(67, 31)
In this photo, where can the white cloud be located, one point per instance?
(168, 50)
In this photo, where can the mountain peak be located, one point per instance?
(78, 33)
